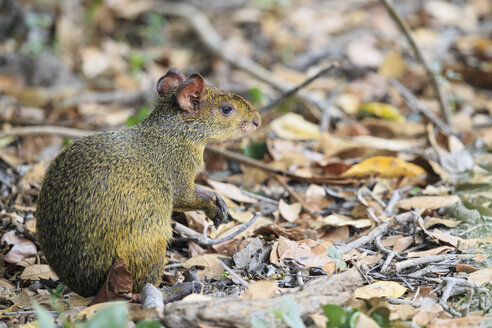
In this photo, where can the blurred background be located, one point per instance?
(94, 64)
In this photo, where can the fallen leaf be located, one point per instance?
(384, 166)
(338, 220)
(231, 191)
(22, 249)
(382, 110)
(289, 212)
(393, 65)
(481, 277)
(260, 290)
(433, 251)
(460, 267)
(446, 222)
(38, 271)
(445, 237)
(380, 289)
(364, 321)
(118, 284)
(294, 127)
(427, 202)
(212, 268)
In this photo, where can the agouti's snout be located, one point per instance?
(256, 121)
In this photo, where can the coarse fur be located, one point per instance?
(111, 195)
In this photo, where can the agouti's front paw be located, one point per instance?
(221, 209)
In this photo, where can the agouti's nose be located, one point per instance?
(256, 121)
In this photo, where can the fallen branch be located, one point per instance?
(417, 105)
(400, 266)
(380, 230)
(267, 168)
(236, 312)
(201, 25)
(446, 113)
(204, 240)
(296, 89)
(46, 129)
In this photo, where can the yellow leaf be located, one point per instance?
(380, 289)
(384, 166)
(294, 127)
(382, 110)
(393, 65)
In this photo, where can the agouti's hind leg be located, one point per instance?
(146, 263)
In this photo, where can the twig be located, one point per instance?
(265, 167)
(360, 271)
(46, 129)
(259, 197)
(324, 122)
(293, 193)
(214, 43)
(395, 197)
(418, 54)
(234, 274)
(430, 259)
(378, 231)
(417, 105)
(203, 240)
(296, 89)
(393, 300)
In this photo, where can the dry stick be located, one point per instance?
(214, 43)
(46, 129)
(417, 105)
(430, 259)
(293, 193)
(418, 54)
(378, 231)
(267, 168)
(296, 89)
(234, 274)
(203, 240)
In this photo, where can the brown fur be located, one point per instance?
(111, 195)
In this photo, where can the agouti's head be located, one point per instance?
(220, 115)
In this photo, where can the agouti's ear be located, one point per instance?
(172, 79)
(190, 93)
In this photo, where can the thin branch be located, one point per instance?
(267, 168)
(46, 129)
(203, 240)
(293, 193)
(234, 274)
(378, 231)
(205, 31)
(417, 105)
(296, 89)
(446, 113)
(400, 266)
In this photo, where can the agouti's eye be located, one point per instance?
(226, 110)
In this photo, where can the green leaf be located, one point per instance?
(114, 315)
(45, 320)
(257, 96)
(381, 316)
(148, 324)
(138, 117)
(334, 253)
(335, 314)
(259, 323)
(256, 150)
(289, 313)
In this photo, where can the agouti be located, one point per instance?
(111, 195)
